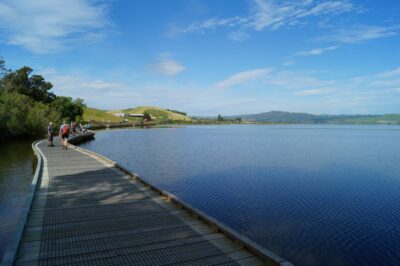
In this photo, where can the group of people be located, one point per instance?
(65, 130)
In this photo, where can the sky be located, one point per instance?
(212, 57)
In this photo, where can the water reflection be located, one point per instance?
(16, 170)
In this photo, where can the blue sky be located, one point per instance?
(210, 57)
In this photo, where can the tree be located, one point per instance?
(39, 89)
(20, 115)
(147, 116)
(220, 118)
(3, 69)
(33, 86)
(27, 105)
(67, 108)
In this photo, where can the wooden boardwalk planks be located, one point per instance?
(88, 212)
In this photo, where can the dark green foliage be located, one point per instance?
(177, 112)
(33, 86)
(220, 118)
(67, 108)
(20, 115)
(27, 105)
(146, 116)
(3, 69)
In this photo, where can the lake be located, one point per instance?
(315, 195)
(16, 172)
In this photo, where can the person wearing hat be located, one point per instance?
(50, 134)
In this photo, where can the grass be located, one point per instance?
(100, 116)
(103, 116)
(156, 112)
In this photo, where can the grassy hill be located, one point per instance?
(100, 115)
(156, 112)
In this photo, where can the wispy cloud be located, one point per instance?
(45, 26)
(243, 77)
(317, 51)
(296, 81)
(391, 73)
(167, 66)
(213, 23)
(238, 36)
(276, 14)
(360, 33)
(288, 63)
(272, 15)
(313, 92)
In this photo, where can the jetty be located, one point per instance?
(84, 209)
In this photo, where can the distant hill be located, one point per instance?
(156, 112)
(99, 115)
(305, 118)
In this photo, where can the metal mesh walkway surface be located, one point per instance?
(87, 212)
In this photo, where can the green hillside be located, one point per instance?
(99, 116)
(156, 112)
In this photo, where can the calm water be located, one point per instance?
(16, 172)
(316, 195)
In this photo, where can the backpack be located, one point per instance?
(65, 130)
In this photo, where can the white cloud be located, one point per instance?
(47, 26)
(276, 14)
(317, 51)
(360, 33)
(238, 36)
(295, 81)
(98, 93)
(276, 90)
(213, 23)
(313, 92)
(391, 73)
(167, 66)
(77, 84)
(243, 77)
(288, 63)
(273, 14)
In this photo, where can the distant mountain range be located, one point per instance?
(305, 118)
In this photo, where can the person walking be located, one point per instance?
(73, 127)
(64, 134)
(50, 135)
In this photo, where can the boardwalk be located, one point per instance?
(87, 212)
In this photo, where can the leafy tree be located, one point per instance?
(220, 118)
(20, 115)
(27, 104)
(67, 108)
(3, 69)
(146, 116)
(33, 86)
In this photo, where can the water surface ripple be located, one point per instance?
(316, 195)
(16, 171)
